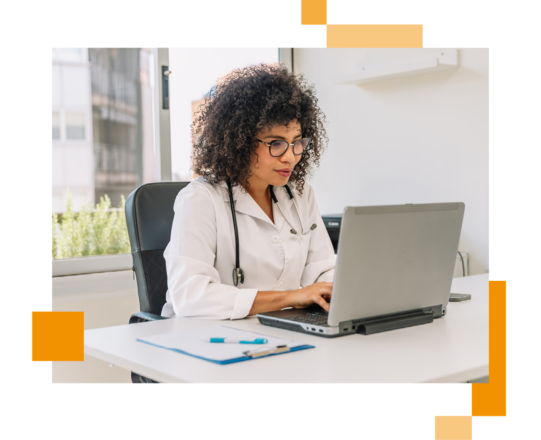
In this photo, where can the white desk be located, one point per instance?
(451, 349)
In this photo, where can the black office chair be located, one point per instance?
(149, 217)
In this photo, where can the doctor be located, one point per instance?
(259, 130)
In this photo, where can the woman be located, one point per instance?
(258, 131)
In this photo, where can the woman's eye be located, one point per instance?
(278, 144)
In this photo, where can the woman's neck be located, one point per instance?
(258, 189)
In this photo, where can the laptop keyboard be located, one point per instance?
(316, 318)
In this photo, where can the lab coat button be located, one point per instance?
(275, 239)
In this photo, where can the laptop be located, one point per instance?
(394, 269)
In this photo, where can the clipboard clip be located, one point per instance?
(258, 353)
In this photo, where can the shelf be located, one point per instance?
(445, 59)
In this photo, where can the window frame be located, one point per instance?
(286, 56)
(58, 112)
(162, 151)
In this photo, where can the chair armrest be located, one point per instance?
(144, 317)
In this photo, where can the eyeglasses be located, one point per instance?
(279, 148)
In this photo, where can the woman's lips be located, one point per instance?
(284, 173)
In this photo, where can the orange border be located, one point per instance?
(375, 35)
(58, 336)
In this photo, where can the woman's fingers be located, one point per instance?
(325, 290)
(318, 293)
(319, 300)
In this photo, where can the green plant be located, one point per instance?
(99, 232)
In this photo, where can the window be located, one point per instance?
(75, 126)
(102, 129)
(56, 126)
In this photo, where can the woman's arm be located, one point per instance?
(269, 301)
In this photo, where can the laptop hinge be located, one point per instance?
(395, 322)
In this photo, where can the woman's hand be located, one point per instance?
(318, 293)
(268, 301)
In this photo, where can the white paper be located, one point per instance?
(192, 342)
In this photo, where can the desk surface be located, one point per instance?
(451, 349)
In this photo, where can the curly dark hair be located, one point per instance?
(249, 100)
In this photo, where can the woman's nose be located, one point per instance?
(288, 156)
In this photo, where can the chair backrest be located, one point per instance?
(149, 216)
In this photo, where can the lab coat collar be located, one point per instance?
(285, 203)
(245, 204)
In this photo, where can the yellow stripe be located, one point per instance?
(433, 35)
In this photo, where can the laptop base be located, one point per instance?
(364, 326)
(396, 322)
(322, 331)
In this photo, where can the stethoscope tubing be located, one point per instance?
(238, 274)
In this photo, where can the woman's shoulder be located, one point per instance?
(199, 190)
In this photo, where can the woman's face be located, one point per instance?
(266, 169)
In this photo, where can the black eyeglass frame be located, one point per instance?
(288, 145)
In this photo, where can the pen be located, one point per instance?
(273, 350)
(236, 341)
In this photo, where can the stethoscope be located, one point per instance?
(238, 273)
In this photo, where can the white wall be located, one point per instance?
(418, 139)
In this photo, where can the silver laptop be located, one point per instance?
(394, 269)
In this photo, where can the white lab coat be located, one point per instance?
(200, 257)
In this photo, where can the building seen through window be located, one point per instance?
(56, 126)
(121, 117)
(75, 126)
(103, 144)
(101, 123)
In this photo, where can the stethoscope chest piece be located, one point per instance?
(238, 276)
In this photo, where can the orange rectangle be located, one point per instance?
(433, 35)
(314, 12)
(453, 428)
(56, 336)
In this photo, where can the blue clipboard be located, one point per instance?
(191, 343)
(229, 361)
